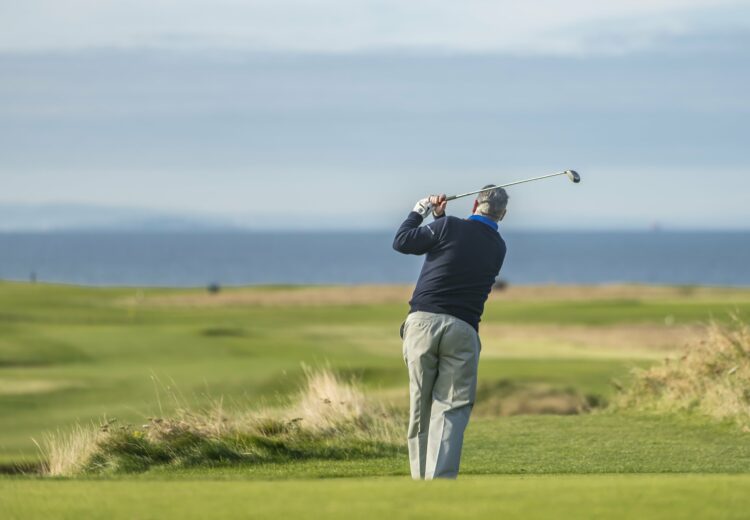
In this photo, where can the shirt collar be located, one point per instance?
(484, 220)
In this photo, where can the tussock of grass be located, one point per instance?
(712, 378)
(329, 419)
(66, 453)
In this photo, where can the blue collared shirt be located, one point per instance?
(484, 220)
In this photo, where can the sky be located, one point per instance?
(342, 113)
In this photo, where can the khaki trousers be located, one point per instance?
(442, 355)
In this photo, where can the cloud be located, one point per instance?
(344, 26)
(212, 129)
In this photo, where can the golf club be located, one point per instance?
(572, 175)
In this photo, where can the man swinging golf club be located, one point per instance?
(441, 341)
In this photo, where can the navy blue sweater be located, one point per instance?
(463, 259)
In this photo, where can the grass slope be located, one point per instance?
(72, 354)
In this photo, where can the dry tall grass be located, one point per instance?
(64, 454)
(329, 418)
(712, 378)
(328, 405)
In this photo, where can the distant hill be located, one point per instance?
(59, 217)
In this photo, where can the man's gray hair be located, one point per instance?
(492, 203)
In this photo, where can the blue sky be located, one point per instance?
(342, 113)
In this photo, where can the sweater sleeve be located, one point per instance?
(413, 239)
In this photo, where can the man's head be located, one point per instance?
(492, 204)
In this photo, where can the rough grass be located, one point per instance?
(505, 398)
(64, 453)
(329, 419)
(711, 378)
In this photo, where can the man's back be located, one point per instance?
(463, 258)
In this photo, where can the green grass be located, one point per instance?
(70, 354)
(520, 467)
(599, 443)
(581, 497)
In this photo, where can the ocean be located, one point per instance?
(188, 259)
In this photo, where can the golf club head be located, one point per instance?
(573, 176)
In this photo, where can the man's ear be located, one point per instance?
(474, 210)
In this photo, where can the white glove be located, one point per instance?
(423, 207)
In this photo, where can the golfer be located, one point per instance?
(441, 340)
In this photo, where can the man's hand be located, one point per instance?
(423, 207)
(438, 203)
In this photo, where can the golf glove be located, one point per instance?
(423, 207)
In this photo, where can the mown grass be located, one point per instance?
(581, 497)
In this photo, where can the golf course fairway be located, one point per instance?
(553, 496)
(542, 443)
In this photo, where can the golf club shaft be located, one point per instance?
(454, 197)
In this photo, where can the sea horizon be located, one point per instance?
(249, 258)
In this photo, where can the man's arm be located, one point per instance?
(411, 239)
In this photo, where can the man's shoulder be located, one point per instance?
(452, 221)
(449, 225)
(443, 221)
